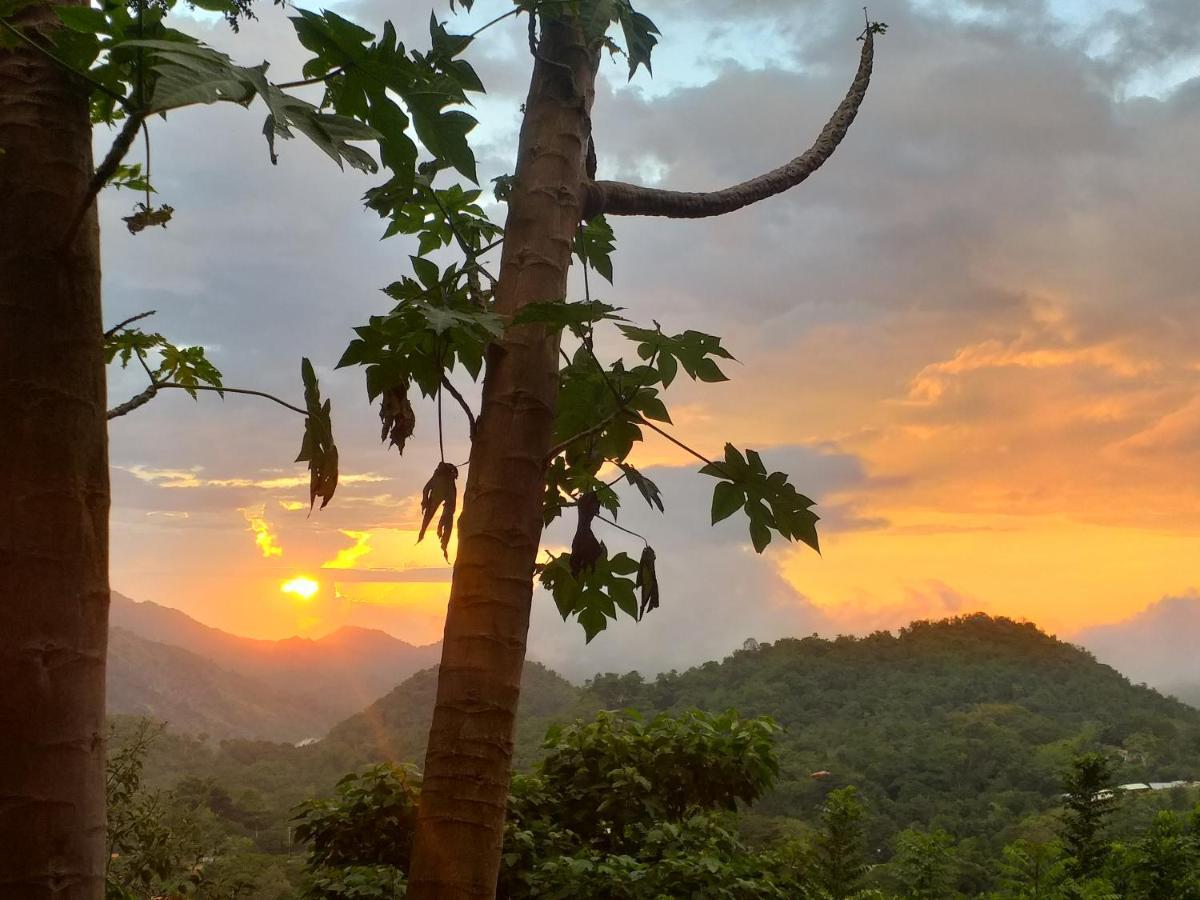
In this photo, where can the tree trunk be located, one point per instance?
(53, 488)
(467, 765)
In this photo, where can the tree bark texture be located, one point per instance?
(467, 766)
(53, 487)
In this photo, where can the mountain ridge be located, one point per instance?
(335, 675)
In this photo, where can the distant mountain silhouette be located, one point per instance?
(335, 675)
(1157, 646)
(165, 683)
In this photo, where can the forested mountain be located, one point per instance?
(1157, 646)
(964, 724)
(336, 675)
(165, 683)
(395, 727)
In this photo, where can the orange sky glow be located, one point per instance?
(975, 333)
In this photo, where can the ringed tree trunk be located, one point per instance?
(53, 487)
(467, 765)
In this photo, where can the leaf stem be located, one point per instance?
(453, 391)
(305, 82)
(105, 171)
(155, 386)
(482, 28)
(640, 537)
(229, 390)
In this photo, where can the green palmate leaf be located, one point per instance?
(594, 244)
(187, 74)
(593, 594)
(128, 342)
(693, 351)
(772, 504)
(187, 366)
(728, 498)
(576, 315)
(641, 35)
(436, 326)
(317, 448)
(84, 19)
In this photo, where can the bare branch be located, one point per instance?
(134, 402)
(617, 198)
(120, 326)
(148, 394)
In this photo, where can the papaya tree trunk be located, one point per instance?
(467, 765)
(53, 486)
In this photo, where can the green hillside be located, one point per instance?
(963, 724)
(395, 727)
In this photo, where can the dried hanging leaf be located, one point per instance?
(317, 448)
(647, 582)
(585, 549)
(441, 490)
(145, 216)
(396, 414)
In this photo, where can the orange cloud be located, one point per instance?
(348, 557)
(263, 537)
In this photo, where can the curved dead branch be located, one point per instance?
(616, 198)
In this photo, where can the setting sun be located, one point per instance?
(300, 586)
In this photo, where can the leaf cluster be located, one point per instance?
(770, 501)
(435, 326)
(188, 367)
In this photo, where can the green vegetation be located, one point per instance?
(971, 757)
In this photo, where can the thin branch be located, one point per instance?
(500, 18)
(155, 386)
(588, 432)
(640, 537)
(305, 82)
(453, 391)
(492, 246)
(616, 198)
(229, 390)
(120, 326)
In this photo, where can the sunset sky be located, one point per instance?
(973, 337)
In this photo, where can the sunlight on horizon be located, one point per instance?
(302, 587)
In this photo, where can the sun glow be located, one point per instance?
(302, 587)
